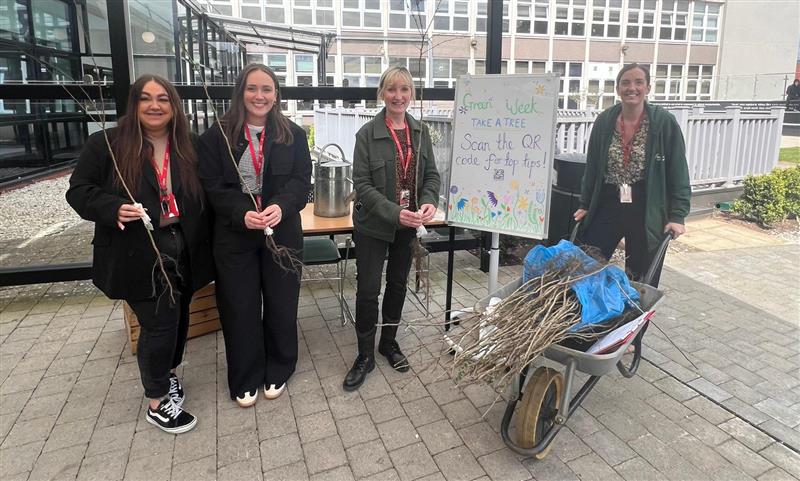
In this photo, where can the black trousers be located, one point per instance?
(615, 220)
(164, 325)
(257, 303)
(370, 254)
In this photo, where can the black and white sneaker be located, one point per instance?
(176, 390)
(170, 417)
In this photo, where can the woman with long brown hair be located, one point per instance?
(256, 167)
(149, 157)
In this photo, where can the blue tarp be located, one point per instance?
(603, 295)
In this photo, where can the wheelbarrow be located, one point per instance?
(545, 405)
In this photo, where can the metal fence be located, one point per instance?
(722, 148)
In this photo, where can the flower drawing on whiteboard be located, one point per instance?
(462, 110)
(492, 198)
(540, 89)
(461, 204)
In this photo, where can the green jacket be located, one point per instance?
(376, 212)
(666, 173)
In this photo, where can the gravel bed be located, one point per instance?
(39, 208)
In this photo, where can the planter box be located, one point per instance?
(203, 316)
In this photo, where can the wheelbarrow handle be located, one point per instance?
(658, 258)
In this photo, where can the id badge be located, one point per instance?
(625, 194)
(169, 207)
(405, 198)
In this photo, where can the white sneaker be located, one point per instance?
(246, 400)
(273, 392)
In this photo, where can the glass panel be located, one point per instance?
(351, 19)
(372, 20)
(304, 63)
(324, 17)
(253, 13)
(441, 67)
(538, 67)
(575, 69)
(302, 17)
(352, 64)
(459, 67)
(51, 25)
(372, 65)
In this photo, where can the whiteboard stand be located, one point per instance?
(502, 157)
(494, 263)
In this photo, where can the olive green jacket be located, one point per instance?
(666, 174)
(376, 213)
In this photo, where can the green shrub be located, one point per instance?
(764, 198)
(791, 180)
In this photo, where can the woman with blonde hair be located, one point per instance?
(395, 178)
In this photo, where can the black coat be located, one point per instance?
(286, 182)
(123, 261)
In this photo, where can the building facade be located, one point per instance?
(685, 43)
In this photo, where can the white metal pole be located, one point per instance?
(494, 262)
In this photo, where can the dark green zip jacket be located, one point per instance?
(666, 172)
(376, 213)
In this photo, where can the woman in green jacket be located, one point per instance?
(395, 177)
(636, 183)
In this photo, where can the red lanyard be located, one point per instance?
(404, 161)
(627, 147)
(162, 176)
(258, 162)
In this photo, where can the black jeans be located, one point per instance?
(370, 254)
(164, 325)
(615, 220)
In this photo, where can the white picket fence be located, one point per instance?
(722, 148)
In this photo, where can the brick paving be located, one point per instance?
(71, 405)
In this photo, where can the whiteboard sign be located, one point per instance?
(503, 141)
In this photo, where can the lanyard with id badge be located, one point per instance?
(169, 207)
(405, 160)
(258, 161)
(625, 190)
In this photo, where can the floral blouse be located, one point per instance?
(617, 172)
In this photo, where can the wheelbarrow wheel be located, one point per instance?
(539, 407)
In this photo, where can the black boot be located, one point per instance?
(356, 375)
(394, 355)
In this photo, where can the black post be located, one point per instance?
(118, 42)
(176, 40)
(494, 61)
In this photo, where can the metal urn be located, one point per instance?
(333, 184)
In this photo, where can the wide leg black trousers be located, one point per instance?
(257, 303)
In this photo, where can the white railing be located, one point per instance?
(722, 148)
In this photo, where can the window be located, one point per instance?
(569, 96)
(533, 14)
(446, 71)
(251, 12)
(480, 67)
(698, 83)
(641, 19)
(601, 93)
(313, 12)
(275, 11)
(361, 13)
(361, 72)
(673, 19)
(606, 18)
(705, 22)
(570, 18)
(530, 66)
(304, 67)
(407, 15)
(452, 15)
(668, 81)
(416, 66)
(330, 70)
(482, 15)
(277, 62)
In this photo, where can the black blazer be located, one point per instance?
(123, 260)
(286, 182)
